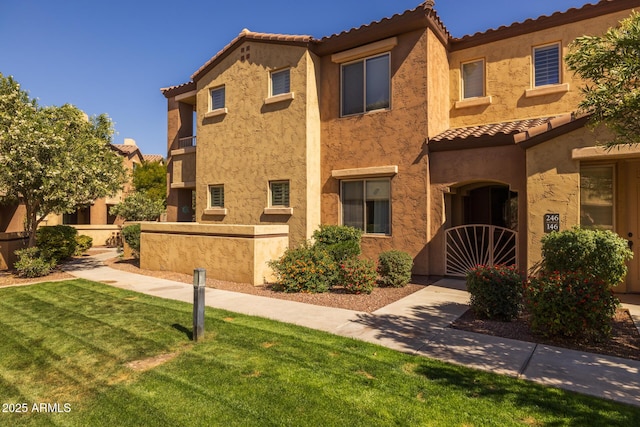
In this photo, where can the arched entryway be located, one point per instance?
(483, 219)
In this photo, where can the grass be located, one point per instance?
(72, 342)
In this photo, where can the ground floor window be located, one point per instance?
(366, 205)
(597, 196)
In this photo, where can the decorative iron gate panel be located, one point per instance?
(470, 245)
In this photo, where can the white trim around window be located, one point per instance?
(546, 64)
(217, 102)
(279, 198)
(472, 75)
(366, 204)
(215, 200)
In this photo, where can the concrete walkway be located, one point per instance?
(416, 324)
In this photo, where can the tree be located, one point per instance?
(610, 64)
(54, 159)
(138, 207)
(151, 178)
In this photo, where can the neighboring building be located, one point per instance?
(94, 221)
(458, 151)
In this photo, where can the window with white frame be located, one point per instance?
(279, 193)
(217, 98)
(366, 85)
(597, 186)
(473, 79)
(546, 65)
(216, 196)
(280, 82)
(366, 205)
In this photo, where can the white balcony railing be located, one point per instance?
(189, 141)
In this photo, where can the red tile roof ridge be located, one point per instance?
(426, 6)
(250, 35)
(181, 85)
(587, 7)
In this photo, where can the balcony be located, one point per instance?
(189, 141)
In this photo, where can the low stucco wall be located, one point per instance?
(10, 242)
(237, 253)
(102, 235)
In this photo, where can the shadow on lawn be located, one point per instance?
(580, 409)
(188, 332)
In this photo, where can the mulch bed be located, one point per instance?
(624, 341)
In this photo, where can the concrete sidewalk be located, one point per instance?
(417, 324)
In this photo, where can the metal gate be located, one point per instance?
(470, 245)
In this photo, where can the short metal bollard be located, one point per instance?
(199, 282)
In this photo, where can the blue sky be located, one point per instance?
(114, 56)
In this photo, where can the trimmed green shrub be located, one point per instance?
(57, 242)
(570, 304)
(394, 268)
(307, 268)
(83, 244)
(600, 253)
(358, 276)
(341, 241)
(131, 235)
(495, 292)
(31, 264)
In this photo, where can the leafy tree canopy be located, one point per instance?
(54, 159)
(151, 178)
(138, 207)
(610, 64)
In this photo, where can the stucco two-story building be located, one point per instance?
(456, 150)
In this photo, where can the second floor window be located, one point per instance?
(217, 98)
(366, 85)
(546, 65)
(473, 79)
(280, 82)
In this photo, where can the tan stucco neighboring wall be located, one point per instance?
(102, 235)
(257, 142)
(183, 167)
(383, 138)
(237, 253)
(452, 169)
(12, 217)
(9, 243)
(553, 184)
(509, 74)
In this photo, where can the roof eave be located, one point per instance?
(570, 16)
(419, 18)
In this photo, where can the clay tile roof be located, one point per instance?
(126, 149)
(176, 90)
(153, 157)
(525, 133)
(250, 35)
(507, 128)
(558, 18)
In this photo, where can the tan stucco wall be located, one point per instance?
(393, 137)
(237, 253)
(255, 143)
(452, 169)
(553, 184)
(509, 74)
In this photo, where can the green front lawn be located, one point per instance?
(71, 343)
